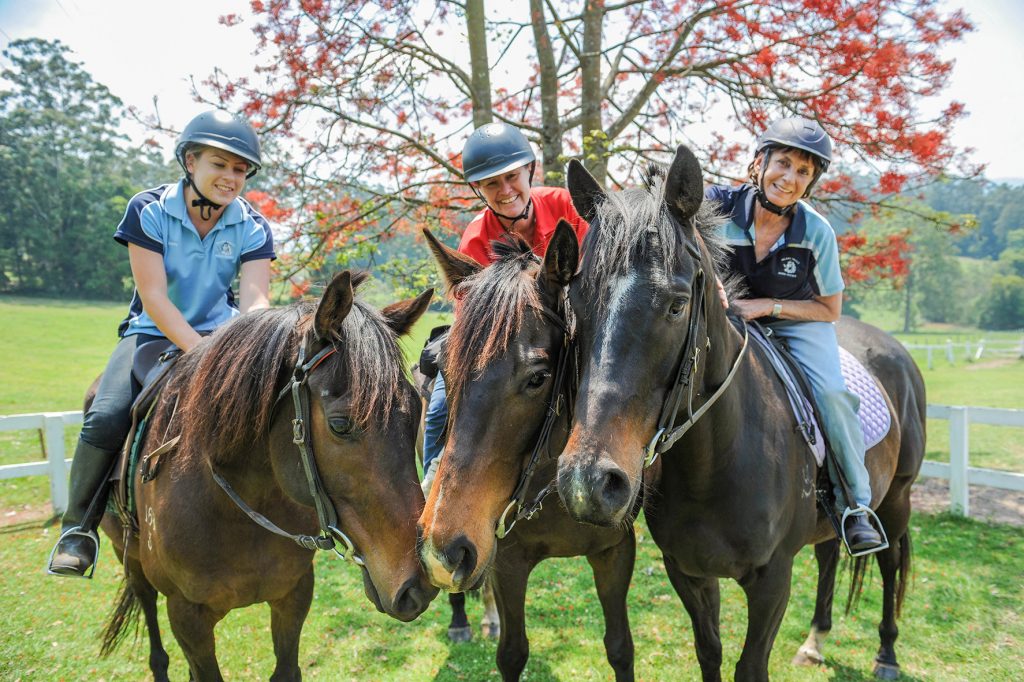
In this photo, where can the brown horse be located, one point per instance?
(502, 368)
(734, 495)
(298, 415)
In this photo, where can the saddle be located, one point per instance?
(152, 368)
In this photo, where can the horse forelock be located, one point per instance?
(228, 386)
(634, 227)
(493, 305)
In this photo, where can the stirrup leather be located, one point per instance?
(76, 530)
(877, 525)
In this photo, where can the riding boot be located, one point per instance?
(78, 545)
(861, 537)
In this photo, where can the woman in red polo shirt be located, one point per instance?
(498, 163)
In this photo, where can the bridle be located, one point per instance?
(331, 533)
(667, 432)
(560, 399)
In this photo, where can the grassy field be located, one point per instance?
(962, 619)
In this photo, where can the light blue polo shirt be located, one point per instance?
(199, 271)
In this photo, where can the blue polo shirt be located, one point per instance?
(804, 263)
(199, 270)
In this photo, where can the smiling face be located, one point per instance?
(219, 175)
(788, 174)
(508, 193)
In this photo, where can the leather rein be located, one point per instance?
(667, 432)
(560, 399)
(331, 535)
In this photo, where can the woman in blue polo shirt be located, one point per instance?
(787, 256)
(186, 242)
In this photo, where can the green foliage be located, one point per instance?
(65, 176)
(995, 211)
(1003, 307)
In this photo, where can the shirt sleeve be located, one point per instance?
(474, 241)
(259, 238)
(141, 225)
(828, 275)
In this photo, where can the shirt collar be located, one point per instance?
(743, 216)
(173, 201)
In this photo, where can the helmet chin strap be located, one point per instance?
(206, 207)
(514, 218)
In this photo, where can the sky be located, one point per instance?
(142, 49)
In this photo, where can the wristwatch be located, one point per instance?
(777, 309)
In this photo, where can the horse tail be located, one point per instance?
(125, 613)
(859, 565)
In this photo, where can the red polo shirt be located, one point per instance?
(549, 204)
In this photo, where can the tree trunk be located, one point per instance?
(595, 142)
(480, 66)
(551, 127)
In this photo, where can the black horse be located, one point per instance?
(735, 495)
(507, 350)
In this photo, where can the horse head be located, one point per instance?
(500, 372)
(359, 422)
(644, 278)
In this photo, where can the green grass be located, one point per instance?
(962, 619)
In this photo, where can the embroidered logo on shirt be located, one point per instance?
(788, 266)
(225, 250)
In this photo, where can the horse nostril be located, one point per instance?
(615, 488)
(461, 556)
(412, 600)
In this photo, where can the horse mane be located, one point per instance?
(635, 220)
(228, 385)
(490, 313)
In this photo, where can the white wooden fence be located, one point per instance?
(51, 425)
(970, 350)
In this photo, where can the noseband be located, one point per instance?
(559, 400)
(326, 512)
(668, 433)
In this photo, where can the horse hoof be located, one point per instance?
(463, 634)
(490, 630)
(886, 671)
(809, 657)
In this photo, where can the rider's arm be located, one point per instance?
(818, 309)
(151, 283)
(254, 285)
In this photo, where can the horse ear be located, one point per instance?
(684, 187)
(455, 266)
(334, 305)
(562, 256)
(402, 316)
(586, 193)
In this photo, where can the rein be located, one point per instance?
(559, 399)
(331, 534)
(668, 433)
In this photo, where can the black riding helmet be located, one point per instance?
(493, 149)
(221, 130)
(794, 132)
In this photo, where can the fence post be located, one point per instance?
(53, 444)
(931, 363)
(959, 424)
(949, 351)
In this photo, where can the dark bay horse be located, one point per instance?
(234, 401)
(501, 370)
(734, 497)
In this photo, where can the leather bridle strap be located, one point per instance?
(555, 405)
(327, 515)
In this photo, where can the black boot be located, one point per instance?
(861, 537)
(78, 546)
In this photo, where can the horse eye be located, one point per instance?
(342, 426)
(677, 308)
(538, 378)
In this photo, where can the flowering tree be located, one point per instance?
(372, 99)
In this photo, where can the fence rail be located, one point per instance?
(958, 472)
(972, 350)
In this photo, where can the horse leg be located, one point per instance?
(490, 624)
(703, 601)
(767, 590)
(810, 652)
(613, 569)
(894, 564)
(146, 594)
(286, 618)
(510, 596)
(193, 625)
(458, 628)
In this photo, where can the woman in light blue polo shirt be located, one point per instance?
(186, 242)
